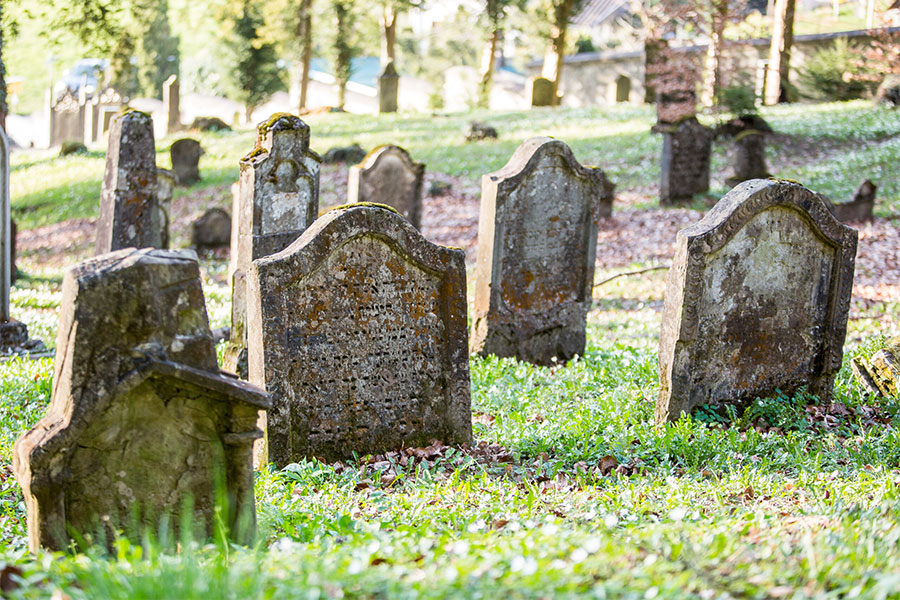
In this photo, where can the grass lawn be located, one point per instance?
(571, 490)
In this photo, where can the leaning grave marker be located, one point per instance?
(358, 332)
(276, 200)
(537, 238)
(756, 300)
(388, 175)
(129, 207)
(141, 421)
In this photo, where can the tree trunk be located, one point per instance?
(713, 76)
(778, 69)
(389, 40)
(487, 69)
(556, 51)
(304, 32)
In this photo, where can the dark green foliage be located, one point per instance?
(739, 99)
(834, 74)
(344, 45)
(583, 44)
(156, 51)
(72, 147)
(252, 72)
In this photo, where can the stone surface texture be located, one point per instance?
(537, 237)
(756, 300)
(387, 175)
(684, 169)
(541, 92)
(141, 423)
(277, 199)
(129, 206)
(172, 104)
(358, 332)
(880, 375)
(749, 157)
(861, 205)
(185, 154)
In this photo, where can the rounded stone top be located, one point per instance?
(132, 114)
(281, 122)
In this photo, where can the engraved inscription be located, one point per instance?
(364, 347)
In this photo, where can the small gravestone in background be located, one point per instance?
(389, 176)
(860, 206)
(757, 300)
(212, 230)
(185, 154)
(13, 334)
(541, 92)
(477, 131)
(344, 154)
(749, 152)
(142, 425)
(358, 332)
(278, 198)
(684, 169)
(165, 189)
(129, 206)
(171, 103)
(388, 85)
(537, 238)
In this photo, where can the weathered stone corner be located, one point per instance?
(757, 300)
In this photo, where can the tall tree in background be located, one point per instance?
(252, 64)
(156, 49)
(777, 83)
(494, 14)
(344, 45)
(289, 24)
(560, 12)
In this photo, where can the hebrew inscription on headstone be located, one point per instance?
(129, 205)
(757, 300)
(537, 238)
(277, 199)
(358, 332)
(142, 425)
(387, 175)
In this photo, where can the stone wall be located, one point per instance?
(590, 79)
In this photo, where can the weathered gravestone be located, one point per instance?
(278, 198)
(387, 175)
(749, 157)
(13, 334)
(756, 300)
(860, 206)
(358, 332)
(541, 92)
(165, 189)
(684, 169)
(129, 206)
(880, 375)
(212, 230)
(142, 425)
(537, 238)
(388, 86)
(172, 104)
(185, 154)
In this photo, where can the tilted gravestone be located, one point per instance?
(129, 206)
(358, 332)
(756, 300)
(880, 374)
(537, 238)
(387, 175)
(388, 87)
(684, 170)
(185, 154)
(278, 198)
(142, 426)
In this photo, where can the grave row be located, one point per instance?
(353, 326)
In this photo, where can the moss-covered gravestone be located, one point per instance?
(880, 375)
(129, 205)
(387, 175)
(757, 300)
(358, 332)
(278, 198)
(537, 238)
(142, 425)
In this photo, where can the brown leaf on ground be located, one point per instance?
(607, 464)
(10, 578)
